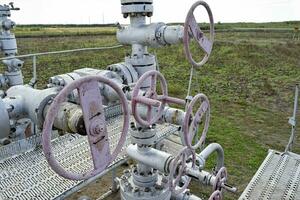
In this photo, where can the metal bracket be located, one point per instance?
(292, 121)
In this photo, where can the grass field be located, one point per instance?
(249, 79)
(94, 29)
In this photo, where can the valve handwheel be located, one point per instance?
(216, 195)
(95, 125)
(192, 122)
(221, 178)
(191, 28)
(151, 98)
(178, 168)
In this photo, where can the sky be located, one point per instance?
(109, 11)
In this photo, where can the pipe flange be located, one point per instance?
(135, 61)
(145, 9)
(133, 7)
(144, 180)
(124, 2)
(143, 137)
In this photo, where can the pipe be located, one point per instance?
(4, 122)
(208, 179)
(91, 180)
(293, 122)
(151, 157)
(152, 35)
(29, 102)
(184, 196)
(210, 149)
(108, 193)
(69, 118)
(173, 116)
(170, 115)
(201, 176)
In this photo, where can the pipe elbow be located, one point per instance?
(208, 151)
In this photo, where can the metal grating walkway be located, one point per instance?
(278, 178)
(28, 176)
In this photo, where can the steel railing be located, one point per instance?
(34, 56)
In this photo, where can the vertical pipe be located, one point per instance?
(114, 183)
(293, 121)
(35, 85)
(296, 102)
(34, 70)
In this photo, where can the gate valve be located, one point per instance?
(178, 170)
(192, 29)
(151, 98)
(216, 195)
(95, 125)
(192, 121)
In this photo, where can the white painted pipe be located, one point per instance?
(151, 157)
(208, 151)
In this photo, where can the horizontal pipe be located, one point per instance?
(208, 179)
(202, 176)
(151, 157)
(185, 196)
(170, 115)
(69, 118)
(91, 180)
(152, 35)
(173, 100)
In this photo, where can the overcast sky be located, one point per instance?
(108, 11)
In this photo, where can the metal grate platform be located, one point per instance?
(28, 176)
(277, 178)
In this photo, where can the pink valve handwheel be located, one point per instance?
(152, 99)
(216, 195)
(221, 178)
(191, 28)
(178, 166)
(95, 125)
(190, 128)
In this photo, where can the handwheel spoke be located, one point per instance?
(205, 44)
(202, 40)
(153, 84)
(147, 101)
(94, 119)
(194, 27)
(149, 113)
(171, 100)
(197, 120)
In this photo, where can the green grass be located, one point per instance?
(40, 30)
(53, 31)
(249, 79)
